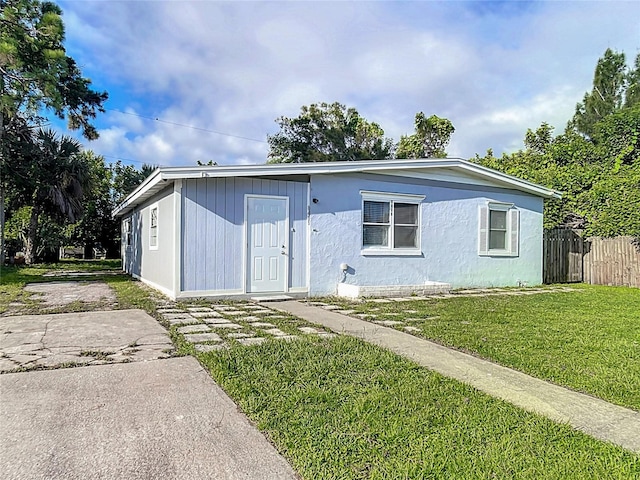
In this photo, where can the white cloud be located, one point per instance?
(234, 67)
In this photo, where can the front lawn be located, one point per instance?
(587, 339)
(343, 409)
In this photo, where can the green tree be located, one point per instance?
(58, 177)
(327, 133)
(96, 225)
(632, 95)
(431, 137)
(126, 178)
(36, 76)
(607, 94)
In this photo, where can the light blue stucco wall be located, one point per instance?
(213, 232)
(449, 235)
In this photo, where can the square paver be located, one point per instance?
(202, 337)
(215, 320)
(252, 341)
(199, 309)
(211, 314)
(177, 316)
(250, 318)
(170, 310)
(194, 328)
(276, 332)
(327, 335)
(240, 335)
(285, 337)
(409, 328)
(183, 321)
(388, 323)
(308, 330)
(263, 325)
(234, 313)
(226, 325)
(203, 347)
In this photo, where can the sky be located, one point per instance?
(196, 81)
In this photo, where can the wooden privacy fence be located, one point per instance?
(600, 261)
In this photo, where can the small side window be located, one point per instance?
(499, 230)
(153, 227)
(126, 232)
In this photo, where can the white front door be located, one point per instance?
(267, 243)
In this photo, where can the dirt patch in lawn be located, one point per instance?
(59, 294)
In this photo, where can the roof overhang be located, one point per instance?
(163, 177)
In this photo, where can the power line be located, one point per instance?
(185, 126)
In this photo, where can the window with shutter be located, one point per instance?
(499, 230)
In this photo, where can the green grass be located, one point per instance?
(588, 339)
(343, 409)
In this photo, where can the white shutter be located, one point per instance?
(483, 231)
(514, 232)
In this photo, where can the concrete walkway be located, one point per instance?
(591, 415)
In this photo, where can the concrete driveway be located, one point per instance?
(148, 418)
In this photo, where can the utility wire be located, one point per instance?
(185, 126)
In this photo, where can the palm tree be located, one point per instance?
(57, 179)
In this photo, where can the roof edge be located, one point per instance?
(278, 169)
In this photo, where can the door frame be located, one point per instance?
(245, 253)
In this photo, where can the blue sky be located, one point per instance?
(493, 68)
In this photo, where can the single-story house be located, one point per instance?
(348, 228)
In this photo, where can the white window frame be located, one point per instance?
(391, 198)
(512, 240)
(127, 230)
(154, 228)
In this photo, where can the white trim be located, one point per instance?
(177, 235)
(208, 293)
(500, 206)
(308, 241)
(166, 291)
(406, 252)
(391, 198)
(484, 235)
(388, 196)
(157, 180)
(287, 230)
(157, 209)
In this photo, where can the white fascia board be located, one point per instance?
(516, 182)
(360, 166)
(133, 197)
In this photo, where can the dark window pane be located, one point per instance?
(376, 212)
(497, 240)
(375, 236)
(405, 214)
(405, 237)
(497, 220)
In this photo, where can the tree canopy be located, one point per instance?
(595, 162)
(327, 132)
(36, 77)
(431, 137)
(37, 74)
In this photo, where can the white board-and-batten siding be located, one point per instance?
(213, 232)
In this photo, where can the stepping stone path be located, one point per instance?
(213, 328)
(374, 318)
